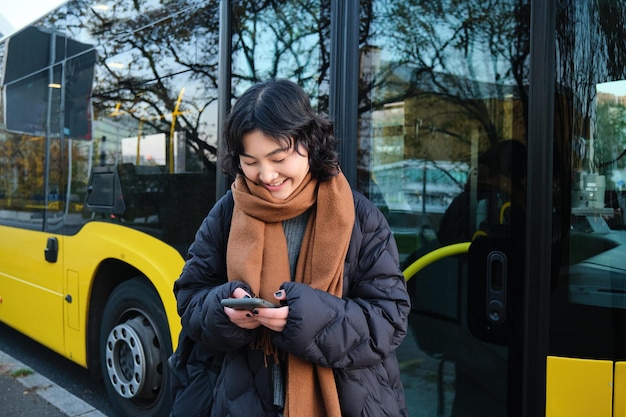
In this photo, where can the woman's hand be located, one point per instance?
(242, 318)
(272, 318)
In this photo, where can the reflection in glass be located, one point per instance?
(597, 204)
(588, 307)
(283, 40)
(135, 87)
(441, 151)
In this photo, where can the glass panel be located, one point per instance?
(22, 181)
(589, 294)
(32, 115)
(283, 40)
(441, 150)
(28, 104)
(135, 90)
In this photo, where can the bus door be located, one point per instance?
(32, 286)
(587, 349)
(47, 119)
(442, 152)
(34, 184)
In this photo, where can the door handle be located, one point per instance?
(51, 252)
(496, 287)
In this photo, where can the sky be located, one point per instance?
(616, 87)
(19, 13)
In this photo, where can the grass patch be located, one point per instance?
(21, 372)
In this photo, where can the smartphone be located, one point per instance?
(246, 303)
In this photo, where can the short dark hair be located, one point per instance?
(280, 109)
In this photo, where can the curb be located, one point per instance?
(62, 399)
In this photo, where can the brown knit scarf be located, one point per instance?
(257, 254)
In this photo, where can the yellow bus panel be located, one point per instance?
(97, 242)
(578, 387)
(619, 396)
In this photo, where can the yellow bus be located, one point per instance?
(490, 134)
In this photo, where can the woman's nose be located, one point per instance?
(267, 175)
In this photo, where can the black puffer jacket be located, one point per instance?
(356, 336)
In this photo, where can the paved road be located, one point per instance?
(63, 372)
(26, 393)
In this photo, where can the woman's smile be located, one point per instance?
(275, 184)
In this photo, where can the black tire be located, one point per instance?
(135, 343)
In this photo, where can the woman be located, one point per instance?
(291, 231)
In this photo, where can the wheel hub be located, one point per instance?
(133, 360)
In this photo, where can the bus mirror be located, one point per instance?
(104, 192)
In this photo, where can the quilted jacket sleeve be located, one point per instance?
(369, 322)
(203, 283)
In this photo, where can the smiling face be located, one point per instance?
(270, 164)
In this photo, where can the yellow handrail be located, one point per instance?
(437, 254)
(478, 233)
(503, 210)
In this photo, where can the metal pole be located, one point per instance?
(223, 88)
(46, 176)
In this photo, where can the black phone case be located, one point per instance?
(246, 303)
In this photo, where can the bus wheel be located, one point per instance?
(135, 343)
